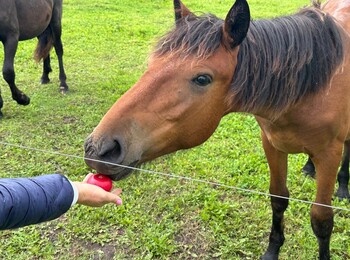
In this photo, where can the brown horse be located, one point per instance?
(22, 20)
(292, 73)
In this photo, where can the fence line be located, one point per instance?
(175, 176)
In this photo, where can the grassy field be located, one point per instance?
(106, 45)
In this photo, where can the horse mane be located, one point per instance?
(193, 35)
(280, 61)
(284, 59)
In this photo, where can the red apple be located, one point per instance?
(100, 180)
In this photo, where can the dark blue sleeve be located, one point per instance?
(26, 201)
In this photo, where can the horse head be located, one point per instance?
(180, 99)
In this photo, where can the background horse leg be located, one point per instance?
(321, 216)
(278, 178)
(62, 75)
(309, 168)
(43, 52)
(343, 174)
(46, 70)
(1, 105)
(10, 48)
(56, 28)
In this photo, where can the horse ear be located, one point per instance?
(180, 10)
(237, 23)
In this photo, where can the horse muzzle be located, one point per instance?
(108, 157)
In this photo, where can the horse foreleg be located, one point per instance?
(8, 72)
(321, 216)
(343, 175)
(278, 178)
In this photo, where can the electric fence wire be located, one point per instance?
(175, 176)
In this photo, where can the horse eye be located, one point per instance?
(202, 80)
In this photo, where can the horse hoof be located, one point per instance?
(45, 81)
(342, 193)
(269, 256)
(63, 90)
(22, 100)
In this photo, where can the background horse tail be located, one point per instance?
(44, 45)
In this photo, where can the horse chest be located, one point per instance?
(284, 140)
(288, 138)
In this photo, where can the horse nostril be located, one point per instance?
(111, 151)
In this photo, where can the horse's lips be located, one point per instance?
(121, 175)
(120, 172)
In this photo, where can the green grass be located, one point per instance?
(106, 47)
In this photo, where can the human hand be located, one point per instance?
(94, 196)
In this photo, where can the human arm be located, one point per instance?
(26, 201)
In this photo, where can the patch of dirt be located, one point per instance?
(192, 239)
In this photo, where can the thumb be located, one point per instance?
(113, 196)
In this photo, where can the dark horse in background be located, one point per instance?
(292, 73)
(22, 20)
